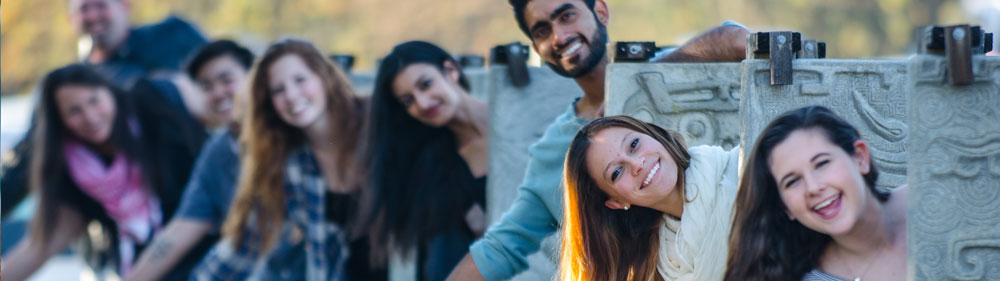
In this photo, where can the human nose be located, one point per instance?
(635, 164)
(562, 36)
(813, 185)
(422, 100)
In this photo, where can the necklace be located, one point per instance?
(867, 267)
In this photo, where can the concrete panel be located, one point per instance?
(867, 93)
(953, 221)
(518, 118)
(701, 101)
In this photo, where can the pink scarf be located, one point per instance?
(120, 190)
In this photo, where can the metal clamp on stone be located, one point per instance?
(515, 56)
(780, 48)
(812, 49)
(640, 51)
(471, 61)
(346, 62)
(958, 43)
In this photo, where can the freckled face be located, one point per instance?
(631, 167)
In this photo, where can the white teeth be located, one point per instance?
(825, 203)
(223, 106)
(567, 52)
(656, 168)
(298, 108)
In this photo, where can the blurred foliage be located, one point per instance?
(37, 36)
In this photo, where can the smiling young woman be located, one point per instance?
(640, 205)
(808, 208)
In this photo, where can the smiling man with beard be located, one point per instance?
(571, 38)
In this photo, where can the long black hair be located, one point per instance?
(417, 187)
(764, 243)
(49, 174)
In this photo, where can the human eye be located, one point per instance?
(541, 33)
(789, 183)
(425, 84)
(634, 144)
(278, 90)
(568, 16)
(822, 163)
(614, 175)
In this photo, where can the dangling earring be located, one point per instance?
(626, 207)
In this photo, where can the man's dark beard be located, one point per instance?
(598, 48)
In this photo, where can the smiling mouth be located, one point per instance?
(433, 111)
(829, 208)
(224, 106)
(571, 49)
(652, 173)
(298, 108)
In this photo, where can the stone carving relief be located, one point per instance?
(868, 94)
(954, 135)
(699, 100)
(518, 118)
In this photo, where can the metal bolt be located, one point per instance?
(634, 49)
(781, 39)
(810, 47)
(958, 34)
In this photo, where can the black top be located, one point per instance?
(341, 209)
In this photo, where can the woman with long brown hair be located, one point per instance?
(300, 137)
(640, 205)
(808, 208)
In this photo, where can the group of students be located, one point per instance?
(288, 184)
(309, 180)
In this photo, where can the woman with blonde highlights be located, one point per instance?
(301, 131)
(640, 205)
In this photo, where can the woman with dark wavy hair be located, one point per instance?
(428, 154)
(103, 155)
(640, 205)
(808, 208)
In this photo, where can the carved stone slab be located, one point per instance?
(518, 118)
(701, 101)
(867, 93)
(953, 220)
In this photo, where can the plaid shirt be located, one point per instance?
(325, 244)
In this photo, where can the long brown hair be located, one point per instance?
(267, 140)
(604, 244)
(764, 244)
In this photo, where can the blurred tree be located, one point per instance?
(37, 36)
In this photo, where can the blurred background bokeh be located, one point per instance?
(37, 36)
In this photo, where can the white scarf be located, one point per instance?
(696, 247)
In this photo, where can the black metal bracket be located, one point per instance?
(812, 49)
(639, 51)
(780, 48)
(471, 61)
(515, 56)
(346, 62)
(958, 43)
